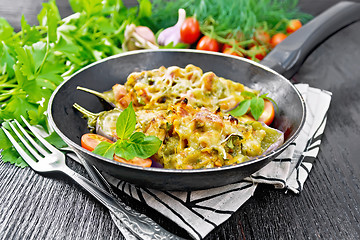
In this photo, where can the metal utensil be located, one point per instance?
(51, 160)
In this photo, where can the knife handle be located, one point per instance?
(287, 57)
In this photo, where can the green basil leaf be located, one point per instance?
(125, 124)
(105, 149)
(257, 107)
(144, 147)
(248, 94)
(241, 109)
(273, 101)
(137, 137)
(126, 150)
(148, 147)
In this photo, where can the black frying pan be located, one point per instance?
(285, 58)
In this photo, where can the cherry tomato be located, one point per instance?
(90, 140)
(293, 25)
(258, 52)
(190, 30)
(268, 114)
(135, 161)
(277, 38)
(208, 44)
(231, 51)
(261, 36)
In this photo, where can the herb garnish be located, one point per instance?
(130, 143)
(252, 101)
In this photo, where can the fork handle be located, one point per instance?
(139, 224)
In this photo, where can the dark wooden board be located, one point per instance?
(34, 207)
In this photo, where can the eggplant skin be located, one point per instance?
(106, 124)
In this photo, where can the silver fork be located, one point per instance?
(51, 160)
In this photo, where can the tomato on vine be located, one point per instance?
(207, 43)
(190, 30)
(293, 25)
(257, 52)
(262, 36)
(277, 38)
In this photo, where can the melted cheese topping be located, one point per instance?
(163, 87)
(185, 108)
(198, 138)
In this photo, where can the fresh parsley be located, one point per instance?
(130, 144)
(35, 60)
(253, 102)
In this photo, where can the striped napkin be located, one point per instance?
(199, 212)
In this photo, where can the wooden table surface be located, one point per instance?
(35, 207)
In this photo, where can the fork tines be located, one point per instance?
(28, 142)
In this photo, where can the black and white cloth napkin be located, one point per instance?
(199, 212)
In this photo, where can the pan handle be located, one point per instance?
(287, 57)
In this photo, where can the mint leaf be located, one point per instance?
(105, 149)
(125, 124)
(241, 109)
(257, 107)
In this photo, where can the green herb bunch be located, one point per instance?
(130, 144)
(35, 60)
(220, 19)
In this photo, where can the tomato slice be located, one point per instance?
(90, 140)
(268, 114)
(135, 161)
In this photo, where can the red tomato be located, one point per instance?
(293, 25)
(277, 38)
(90, 140)
(268, 114)
(262, 36)
(190, 30)
(135, 161)
(231, 51)
(208, 44)
(259, 52)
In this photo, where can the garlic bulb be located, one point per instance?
(172, 34)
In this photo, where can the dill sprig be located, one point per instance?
(221, 18)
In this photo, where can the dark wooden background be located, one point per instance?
(34, 207)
